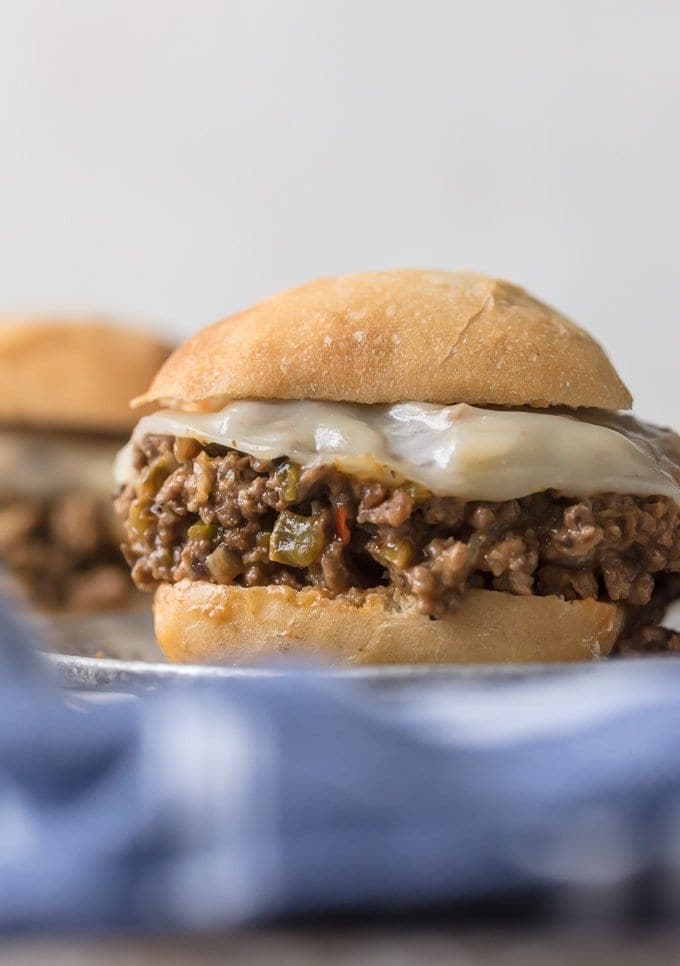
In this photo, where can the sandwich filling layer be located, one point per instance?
(205, 510)
(58, 535)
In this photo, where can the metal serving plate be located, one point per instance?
(74, 671)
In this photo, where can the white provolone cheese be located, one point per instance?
(40, 464)
(461, 450)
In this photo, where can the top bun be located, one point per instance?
(74, 374)
(384, 337)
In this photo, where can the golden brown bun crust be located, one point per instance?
(202, 623)
(441, 337)
(74, 374)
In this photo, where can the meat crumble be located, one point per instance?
(64, 551)
(206, 512)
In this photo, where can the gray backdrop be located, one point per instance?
(176, 160)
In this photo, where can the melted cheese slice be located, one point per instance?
(38, 465)
(461, 450)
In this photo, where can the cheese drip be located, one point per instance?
(460, 450)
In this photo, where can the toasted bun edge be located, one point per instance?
(203, 623)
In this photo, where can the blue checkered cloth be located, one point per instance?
(209, 806)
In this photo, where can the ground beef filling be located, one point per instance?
(205, 512)
(65, 551)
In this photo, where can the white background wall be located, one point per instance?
(178, 159)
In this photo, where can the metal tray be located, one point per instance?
(75, 671)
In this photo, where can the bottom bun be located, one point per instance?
(206, 623)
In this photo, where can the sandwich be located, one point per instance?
(400, 467)
(65, 386)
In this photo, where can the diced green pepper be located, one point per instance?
(202, 531)
(296, 540)
(139, 518)
(394, 552)
(289, 474)
(156, 473)
(263, 539)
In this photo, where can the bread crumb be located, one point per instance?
(327, 340)
(358, 336)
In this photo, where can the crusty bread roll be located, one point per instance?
(77, 374)
(384, 337)
(200, 622)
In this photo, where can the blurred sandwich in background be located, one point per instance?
(65, 385)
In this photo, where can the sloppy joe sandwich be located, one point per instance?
(65, 387)
(406, 466)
